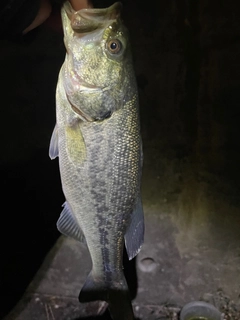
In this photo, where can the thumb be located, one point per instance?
(42, 15)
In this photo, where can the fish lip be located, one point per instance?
(99, 14)
(88, 19)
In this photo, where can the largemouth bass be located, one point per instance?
(97, 139)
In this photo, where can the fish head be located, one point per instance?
(98, 75)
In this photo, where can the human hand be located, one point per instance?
(42, 15)
(46, 9)
(80, 4)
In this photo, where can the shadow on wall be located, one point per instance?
(32, 202)
(31, 190)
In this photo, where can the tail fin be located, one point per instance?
(93, 290)
(115, 293)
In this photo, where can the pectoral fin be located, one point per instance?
(68, 225)
(53, 149)
(134, 236)
(76, 149)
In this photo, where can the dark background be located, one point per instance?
(187, 62)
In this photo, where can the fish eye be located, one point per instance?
(114, 46)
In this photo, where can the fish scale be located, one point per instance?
(97, 139)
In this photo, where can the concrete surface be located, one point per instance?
(186, 56)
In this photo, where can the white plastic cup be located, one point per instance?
(200, 310)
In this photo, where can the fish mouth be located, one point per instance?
(89, 19)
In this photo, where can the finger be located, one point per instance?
(80, 4)
(43, 13)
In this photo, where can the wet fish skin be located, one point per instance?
(97, 139)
